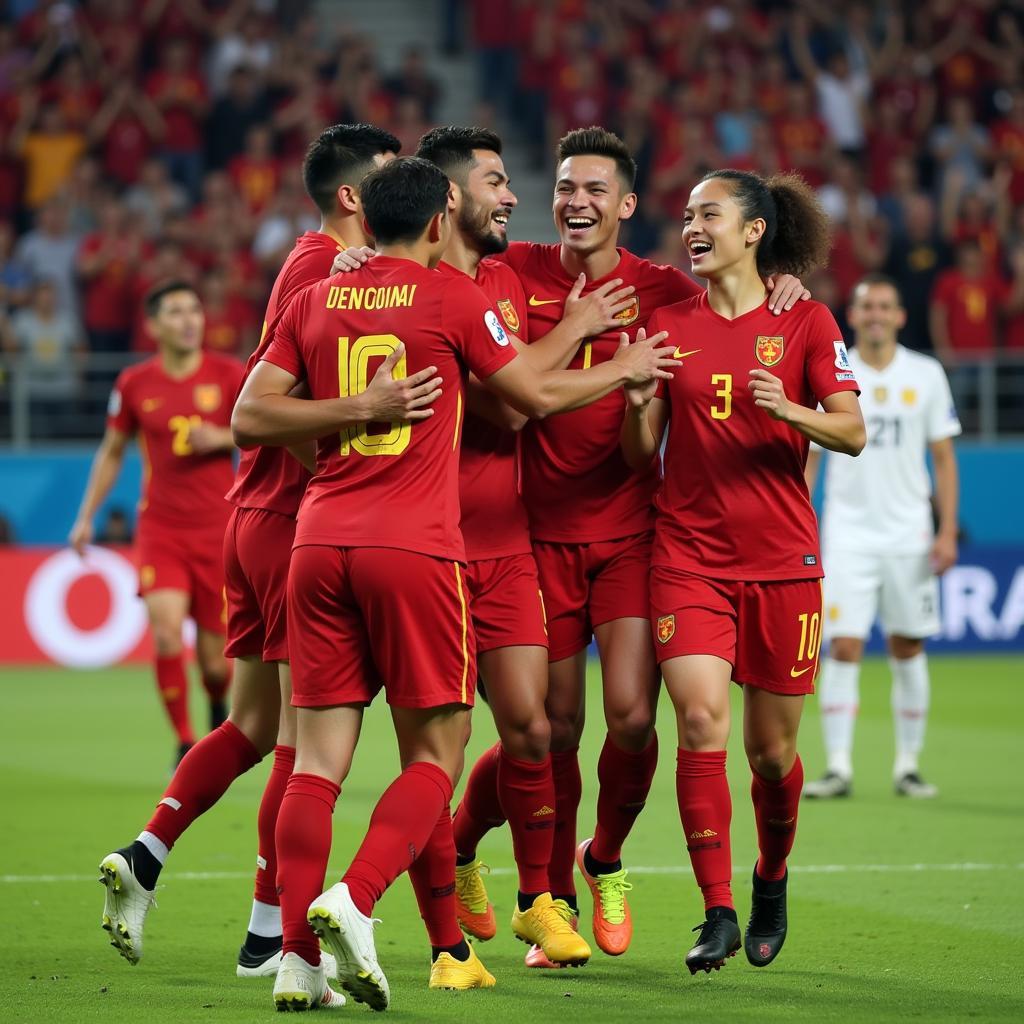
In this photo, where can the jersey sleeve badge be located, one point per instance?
(630, 314)
(666, 628)
(509, 314)
(842, 358)
(769, 349)
(206, 397)
(493, 325)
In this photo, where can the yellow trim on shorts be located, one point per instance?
(465, 629)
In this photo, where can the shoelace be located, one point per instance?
(564, 911)
(612, 891)
(471, 886)
(555, 918)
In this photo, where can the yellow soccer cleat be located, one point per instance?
(472, 908)
(458, 975)
(548, 925)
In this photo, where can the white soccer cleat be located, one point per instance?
(830, 786)
(337, 921)
(250, 966)
(914, 786)
(125, 906)
(301, 986)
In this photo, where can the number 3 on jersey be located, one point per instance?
(723, 394)
(353, 378)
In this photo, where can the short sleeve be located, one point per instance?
(827, 364)
(120, 414)
(943, 420)
(475, 329)
(283, 348)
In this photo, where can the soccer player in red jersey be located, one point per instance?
(360, 632)
(178, 403)
(735, 581)
(591, 521)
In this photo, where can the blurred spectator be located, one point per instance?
(966, 304)
(131, 128)
(49, 251)
(413, 80)
(245, 40)
(288, 218)
(960, 145)
(231, 324)
(15, 281)
(255, 173)
(155, 198)
(1008, 139)
(409, 124)
(47, 145)
(242, 106)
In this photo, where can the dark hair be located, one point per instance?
(400, 198)
(451, 148)
(877, 278)
(797, 234)
(342, 155)
(155, 296)
(596, 141)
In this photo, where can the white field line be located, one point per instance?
(669, 869)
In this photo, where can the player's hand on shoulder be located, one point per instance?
(404, 398)
(944, 553)
(646, 359)
(81, 535)
(351, 259)
(784, 292)
(595, 313)
(769, 394)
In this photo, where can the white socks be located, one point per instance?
(838, 698)
(910, 698)
(265, 920)
(157, 847)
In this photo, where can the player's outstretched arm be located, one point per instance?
(265, 412)
(944, 551)
(106, 467)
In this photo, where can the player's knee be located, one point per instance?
(167, 639)
(846, 648)
(632, 728)
(902, 647)
(258, 724)
(529, 740)
(565, 731)
(772, 759)
(700, 728)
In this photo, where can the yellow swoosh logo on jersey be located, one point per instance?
(682, 355)
(149, 404)
(534, 301)
(794, 674)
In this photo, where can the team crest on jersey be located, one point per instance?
(629, 314)
(769, 349)
(509, 314)
(881, 394)
(666, 628)
(909, 396)
(206, 397)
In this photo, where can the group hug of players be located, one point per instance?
(450, 473)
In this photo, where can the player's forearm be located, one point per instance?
(282, 421)
(484, 403)
(304, 454)
(555, 350)
(637, 440)
(106, 467)
(565, 390)
(947, 494)
(837, 431)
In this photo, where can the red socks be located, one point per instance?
(400, 827)
(625, 780)
(200, 780)
(432, 875)
(266, 824)
(565, 767)
(480, 809)
(776, 803)
(303, 842)
(705, 809)
(172, 683)
(526, 790)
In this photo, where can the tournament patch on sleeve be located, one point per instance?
(842, 358)
(494, 326)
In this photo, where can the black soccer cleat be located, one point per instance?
(766, 929)
(719, 939)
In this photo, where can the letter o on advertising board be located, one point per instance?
(46, 609)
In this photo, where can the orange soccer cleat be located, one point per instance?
(612, 922)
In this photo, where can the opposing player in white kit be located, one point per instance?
(880, 551)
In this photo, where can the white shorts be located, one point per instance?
(901, 590)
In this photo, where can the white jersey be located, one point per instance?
(879, 502)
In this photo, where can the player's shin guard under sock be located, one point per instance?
(172, 682)
(432, 875)
(910, 699)
(526, 790)
(303, 845)
(776, 802)
(839, 698)
(705, 809)
(480, 808)
(565, 767)
(200, 780)
(266, 825)
(400, 827)
(625, 780)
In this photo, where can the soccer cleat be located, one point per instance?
(349, 934)
(766, 929)
(612, 921)
(253, 965)
(913, 785)
(472, 908)
(535, 956)
(829, 786)
(719, 939)
(544, 926)
(125, 905)
(301, 986)
(458, 975)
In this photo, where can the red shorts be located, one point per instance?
(188, 560)
(586, 585)
(257, 550)
(363, 618)
(769, 632)
(506, 603)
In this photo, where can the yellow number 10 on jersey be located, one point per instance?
(353, 378)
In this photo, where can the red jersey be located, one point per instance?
(180, 489)
(734, 503)
(576, 484)
(972, 308)
(270, 478)
(390, 485)
(109, 294)
(494, 522)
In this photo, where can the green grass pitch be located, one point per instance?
(898, 910)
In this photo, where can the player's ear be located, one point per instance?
(628, 206)
(435, 228)
(754, 230)
(348, 199)
(454, 195)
